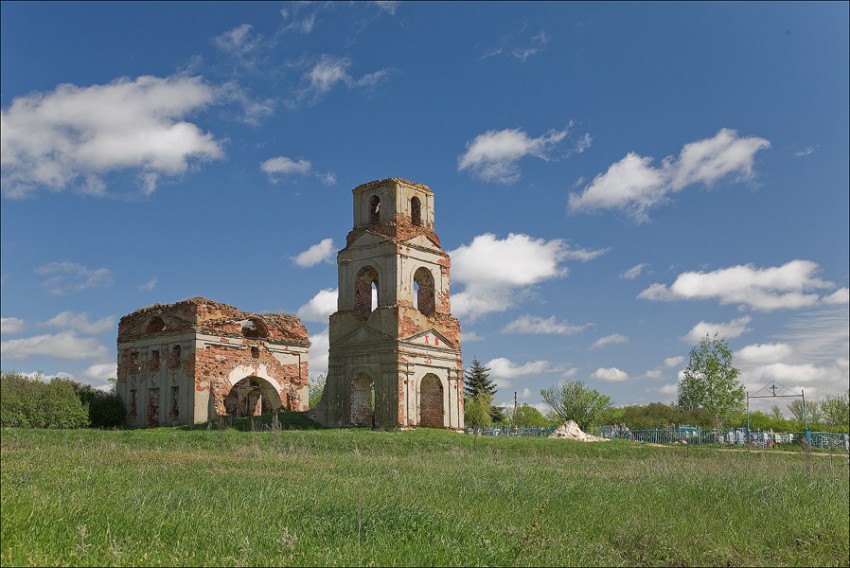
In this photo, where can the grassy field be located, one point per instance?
(357, 497)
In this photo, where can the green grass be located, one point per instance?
(172, 496)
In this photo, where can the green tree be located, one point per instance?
(106, 409)
(317, 388)
(653, 415)
(576, 401)
(711, 381)
(477, 381)
(613, 415)
(807, 414)
(527, 416)
(836, 410)
(476, 410)
(776, 412)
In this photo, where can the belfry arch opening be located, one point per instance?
(431, 402)
(362, 400)
(366, 295)
(255, 328)
(252, 396)
(155, 325)
(416, 211)
(423, 288)
(374, 210)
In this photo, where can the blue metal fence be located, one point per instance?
(537, 431)
(686, 434)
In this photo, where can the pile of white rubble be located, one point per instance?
(571, 431)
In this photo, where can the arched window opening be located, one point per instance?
(176, 353)
(252, 396)
(365, 292)
(375, 210)
(174, 413)
(254, 328)
(133, 403)
(153, 407)
(255, 353)
(155, 325)
(423, 283)
(431, 402)
(154, 361)
(416, 211)
(134, 361)
(362, 400)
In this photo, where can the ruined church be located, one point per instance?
(191, 361)
(394, 358)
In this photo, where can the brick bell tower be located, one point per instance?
(395, 358)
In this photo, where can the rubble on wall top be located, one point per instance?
(383, 182)
(202, 314)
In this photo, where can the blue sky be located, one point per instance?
(613, 181)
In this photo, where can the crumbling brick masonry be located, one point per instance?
(394, 358)
(191, 361)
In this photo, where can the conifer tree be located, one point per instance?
(478, 386)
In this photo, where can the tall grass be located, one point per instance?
(425, 497)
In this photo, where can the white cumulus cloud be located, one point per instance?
(279, 167)
(101, 371)
(840, 296)
(633, 185)
(727, 330)
(467, 336)
(494, 272)
(494, 155)
(505, 369)
(74, 135)
(318, 354)
(238, 41)
(11, 325)
(149, 285)
(67, 277)
(63, 345)
(787, 374)
(791, 285)
(538, 325)
(79, 321)
(609, 340)
(330, 72)
(674, 361)
(610, 374)
(320, 252)
(634, 271)
(282, 165)
(583, 254)
(764, 353)
(320, 306)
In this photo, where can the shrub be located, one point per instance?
(106, 409)
(27, 402)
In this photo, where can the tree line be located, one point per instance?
(710, 395)
(30, 402)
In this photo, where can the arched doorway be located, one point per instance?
(362, 400)
(431, 402)
(252, 396)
